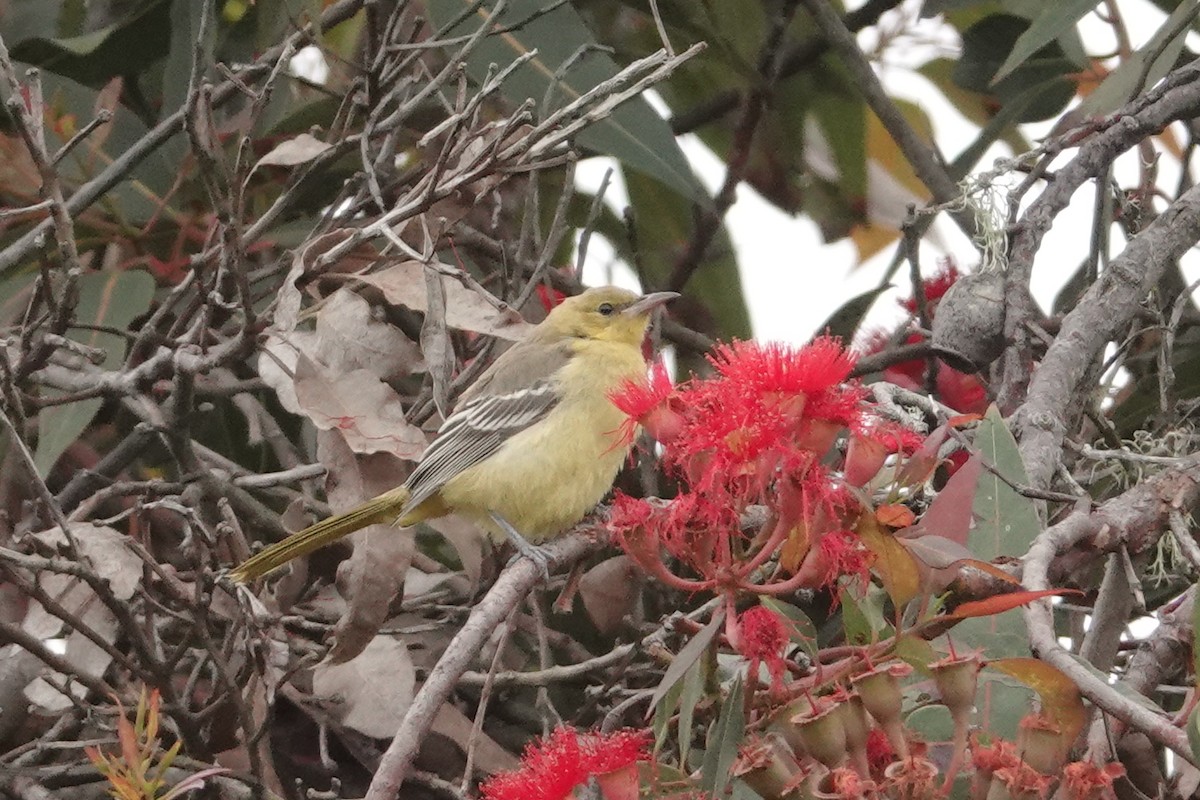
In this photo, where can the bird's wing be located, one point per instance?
(499, 405)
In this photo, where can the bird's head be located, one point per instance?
(606, 313)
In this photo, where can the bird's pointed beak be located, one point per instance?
(650, 302)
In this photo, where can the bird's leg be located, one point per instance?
(537, 555)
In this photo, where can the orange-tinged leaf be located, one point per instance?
(130, 753)
(895, 515)
(883, 150)
(963, 420)
(991, 569)
(795, 548)
(1003, 602)
(1059, 694)
(893, 564)
(870, 239)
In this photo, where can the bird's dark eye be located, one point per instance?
(606, 309)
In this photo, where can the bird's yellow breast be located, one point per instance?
(548, 477)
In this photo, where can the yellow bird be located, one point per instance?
(531, 446)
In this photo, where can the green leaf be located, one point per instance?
(987, 43)
(862, 617)
(689, 655)
(1122, 83)
(126, 47)
(1195, 638)
(844, 322)
(634, 134)
(664, 223)
(842, 114)
(111, 299)
(724, 738)
(1055, 20)
(1005, 525)
(1193, 732)
(801, 629)
(1001, 703)
(689, 696)
(1006, 522)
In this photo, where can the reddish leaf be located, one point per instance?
(864, 458)
(921, 464)
(950, 513)
(1003, 602)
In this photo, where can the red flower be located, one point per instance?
(549, 297)
(1084, 780)
(761, 641)
(935, 286)
(993, 757)
(649, 403)
(844, 554)
(553, 767)
(880, 752)
(774, 367)
(1022, 779)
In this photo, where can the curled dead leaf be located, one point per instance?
(293, 152)
(404, 284)
(363, 409)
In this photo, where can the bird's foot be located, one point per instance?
(540, 557)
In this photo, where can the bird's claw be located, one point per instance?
(540, 557)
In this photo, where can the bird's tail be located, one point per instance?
(384, 508)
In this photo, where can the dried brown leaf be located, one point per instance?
(490, 757)
(436, 344)
(374, 574)
(288, 300)
(374, 688)
(349, 338)
(365, 410)
(610, 591)
(277, 364)
(290, 153)
(105, 550)
(404, 284)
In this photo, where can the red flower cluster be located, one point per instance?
(756, 433)
(553, 767)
